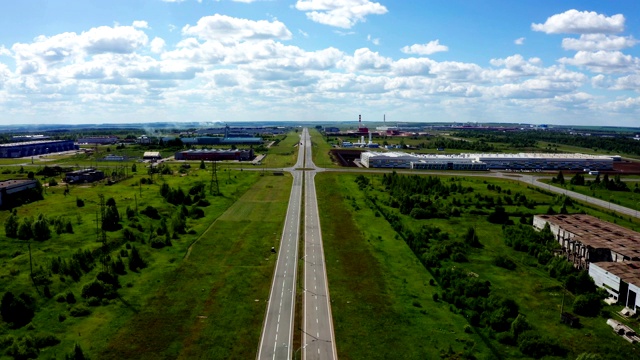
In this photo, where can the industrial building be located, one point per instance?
(98, 140)
(620, 279)
(531, 161)
(586, 239)
(207, 140)
(215, 154)
(31, 148)
(610, 252)
(84, 175)
(10, 187)
(151, 155)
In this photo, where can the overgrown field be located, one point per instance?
(389, 252)
(130, 293)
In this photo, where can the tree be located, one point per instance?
(202, 165)
(111, 219)
(587, 305)
(11, 226)
(471, 238)
(134, 168)
(135, 260)
(17, 310)
(560, 178)
(24, 230)
(41, 229)
(76, 353)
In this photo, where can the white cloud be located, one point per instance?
(595, 42)
(429, 48)
(365, 60)
(603, 61)
(340, 13)
(374, 41)
(157, 45)
(4, 51)
(304, 34)
(140, 24)
(581, 22)
(519, 41)
(227, 29)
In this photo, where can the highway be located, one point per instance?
(277, 330)
(318, 339)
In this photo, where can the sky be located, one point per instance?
(135, 61)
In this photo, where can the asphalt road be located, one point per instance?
(318, 339)
(277, 331)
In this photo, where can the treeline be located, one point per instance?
(615, 184)
(620, 144)
(513, 139)
(447, 143)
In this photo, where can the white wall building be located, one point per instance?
(491, 161)
(620, 279)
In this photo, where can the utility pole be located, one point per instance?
(214, 178)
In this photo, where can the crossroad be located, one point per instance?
(318, 339)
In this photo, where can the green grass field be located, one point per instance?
(230, 260)
(380, 293)
(284, 153)
(377, 283)
(212, 306)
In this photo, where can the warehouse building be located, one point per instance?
(98, 140)
(10, 188)
(620, 279)
(32, 148)
(586, 239)
(151, 155)
(610, 252)
(207, 140)
(531, 161)
(84, 175)
(215, 154)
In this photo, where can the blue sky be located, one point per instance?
(120, 61)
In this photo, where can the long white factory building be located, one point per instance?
(530, 161)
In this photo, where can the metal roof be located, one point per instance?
(628, 271)
(598, 234)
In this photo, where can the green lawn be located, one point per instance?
(376, 282)
(161, 301)
(212, 306)
(285, 152)
(381, 298)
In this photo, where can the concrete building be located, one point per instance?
(212, 140)
(98, 140)
(400, 160)
(84, 175)
(31, 148)
(585, 239)
(620, 279)
(217, 155)
(111, 157)
(9, 187)
(532, 161)
(152, 155)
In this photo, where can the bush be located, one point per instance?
(71, 299)
(23, 348)
(46, 340)
(536, 346)
(79, 311)
(504, 263)
(79, 202)
(19, 310)
(587, 305)
(151, 212)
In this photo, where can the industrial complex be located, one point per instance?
(531, 161)
(31, 148)
(215, 154)
(9, 187)
(611, 253)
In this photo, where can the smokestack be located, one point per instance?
(362, 139)
(369, 138)
(384, 118)
(359, 121)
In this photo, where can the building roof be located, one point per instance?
(11, 183)
(599, 234)
(37, 142)
(489, 157)
(151, 154)
(628, 271)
